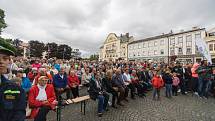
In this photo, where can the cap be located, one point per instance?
(6, 48)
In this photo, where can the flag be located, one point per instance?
(203, 49)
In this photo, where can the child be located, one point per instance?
(167, 77)
(175, 83)
(157, 83)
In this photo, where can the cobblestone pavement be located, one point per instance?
(179, 108)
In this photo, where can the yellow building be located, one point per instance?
(115, 47)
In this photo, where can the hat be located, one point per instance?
(6, 48)
(43, 77)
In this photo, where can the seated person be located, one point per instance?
(41, 99)
(25, 83)
(60, 82)
(73, 83)
(96, 92)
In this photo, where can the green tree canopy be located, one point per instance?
(2, 21)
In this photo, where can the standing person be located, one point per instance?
(157, 83)
(96, 92)
(179, 71)
(175, 83)
(195, 78)
(168, 83)
(42, 99)
(73, 83)
(204, 73)
(12, 109)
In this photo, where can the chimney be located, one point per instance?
(127, 35)
(195, 27)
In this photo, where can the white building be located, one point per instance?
(166, 47)
(115, 47)
(210, 39)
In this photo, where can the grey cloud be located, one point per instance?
(85, 24)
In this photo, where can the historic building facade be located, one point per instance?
(210, 39)
(115, 47)
(168, 47)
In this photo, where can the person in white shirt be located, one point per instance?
(128, 83)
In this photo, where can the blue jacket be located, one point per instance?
(118, 80)
(12, 109)
(57, 66)
(26, 84)
(59, 82)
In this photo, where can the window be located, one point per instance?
(172, 51)
(214, 46)
(212, 34)
(139, 45)
(180, 41)
(130, 55)
(162, 51)
(130, 47)
(144, 45)
(180, 51)
(211, 47)
(150, 44)
(134, 54)
(189, 41)
(155, 52)
(138, 54)
(189, 51)
(150, 52)
(144, 53)
(172, 41)
(162, 42)
(198, 35)
(155, 43)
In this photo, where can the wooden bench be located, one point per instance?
(79, 99)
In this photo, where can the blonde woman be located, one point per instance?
(107, 84)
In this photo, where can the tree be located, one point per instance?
(2, 21)
(36, 48)
(52, 49)
(64, 52)
(94, 57)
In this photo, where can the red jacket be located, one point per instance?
(34, 104)
(157, 82)
(72, 80)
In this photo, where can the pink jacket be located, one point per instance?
(193, 70)
(175, 81)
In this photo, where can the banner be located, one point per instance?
(203, 49)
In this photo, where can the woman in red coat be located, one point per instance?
(41, 99)
(73, 83)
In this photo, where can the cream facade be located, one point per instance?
(210, 40)
(115, 47)
(166, 47)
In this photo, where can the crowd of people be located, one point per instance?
(45, 80)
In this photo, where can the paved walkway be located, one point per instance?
(179, 108)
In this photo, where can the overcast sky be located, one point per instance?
(85, 24)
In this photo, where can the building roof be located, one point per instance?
(165, 35)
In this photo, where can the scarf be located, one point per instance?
(42, 93)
